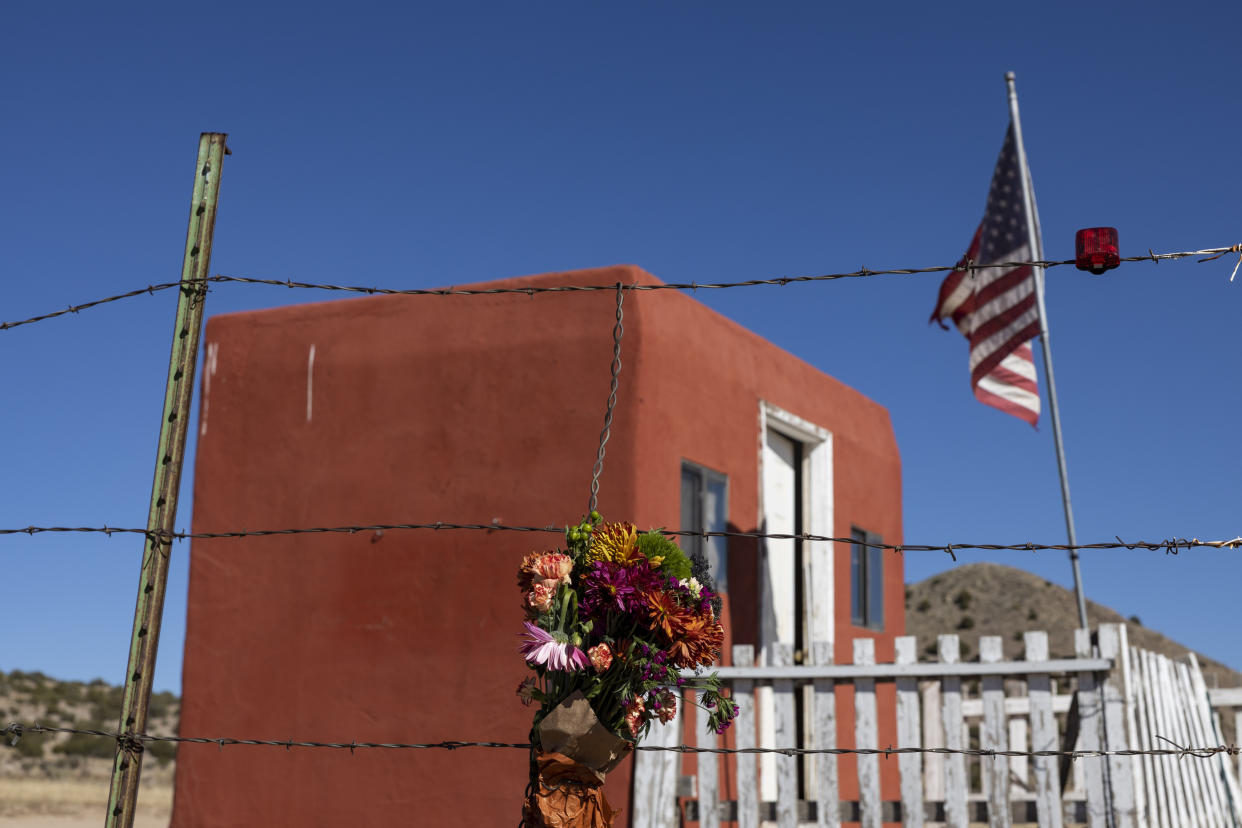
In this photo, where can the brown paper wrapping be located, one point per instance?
(567, 795)
(577, 753)
(573, 729)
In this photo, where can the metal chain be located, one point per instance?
(618, 330)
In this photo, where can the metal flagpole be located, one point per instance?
(1032, 224)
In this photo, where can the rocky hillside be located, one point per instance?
(991, 599)
(32, 698)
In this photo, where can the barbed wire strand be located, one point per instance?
(863, 272)
(149, 289)
(1170, 546)
(15, 730)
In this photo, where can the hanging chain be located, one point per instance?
(618, 330)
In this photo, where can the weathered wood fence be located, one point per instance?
(1121, 698)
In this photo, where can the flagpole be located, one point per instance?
(1032, 223)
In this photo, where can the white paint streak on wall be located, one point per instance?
(310, 382)
(212, 349)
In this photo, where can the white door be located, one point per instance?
(776, 606)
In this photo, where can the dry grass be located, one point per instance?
(80, 801)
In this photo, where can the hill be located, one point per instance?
(992, 599)
(68, 774)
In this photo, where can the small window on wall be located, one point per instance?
(866, 580)
(704, 508)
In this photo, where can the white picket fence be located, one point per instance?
(1123, 698)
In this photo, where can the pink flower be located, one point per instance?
(667, 705)
(526, 690)
(634, 715)
(553, 566)
(540, 598)
(540, 647)
(601, 657)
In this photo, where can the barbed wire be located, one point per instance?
(1210, 253)
(1170, 546)
(149, 289)
(134, 741)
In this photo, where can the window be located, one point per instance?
(866, 580)
(704, 508)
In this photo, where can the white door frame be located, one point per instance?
(817, 511)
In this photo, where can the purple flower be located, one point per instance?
(540, 647)
(608, 585)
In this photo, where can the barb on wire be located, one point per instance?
(530, 291)
(618, 330)
(15, 730)
(1170, 546)
(149, 289)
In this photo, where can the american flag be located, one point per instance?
(995, 307)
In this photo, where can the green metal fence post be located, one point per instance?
(127, 766)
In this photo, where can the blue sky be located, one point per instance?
(421, 145)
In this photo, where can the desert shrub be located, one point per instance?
(161, 704)
(962, 599)
(79, 744)
(1032, 615)
(163, 751)
(1134, 619)
(967, 623)
(29, 745)
(923, 606)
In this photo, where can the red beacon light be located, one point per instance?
(1096, 249)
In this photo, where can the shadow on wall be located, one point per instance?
(745, 603)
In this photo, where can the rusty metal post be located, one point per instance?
(127, 766)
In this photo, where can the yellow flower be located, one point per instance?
(615, 542)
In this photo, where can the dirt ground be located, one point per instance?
(75, 803)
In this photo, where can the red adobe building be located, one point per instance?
(474, 409)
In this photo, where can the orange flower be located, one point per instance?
(634, 711)
(601, 657)
(662, 610)
(541, 595)
(696, 640)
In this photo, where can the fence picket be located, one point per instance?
(655, 777)
(993, 735)
(1202, 732)
(744, 733)
(865, 736)
(909, 765)
(933, 737)
(1231, 798)
(1153, 772)
(1112, 640)
(1130, 701)
(1179, 675)
(786, 736)
(1090, 712)
(1043, 735)
(1019, 766)
(1179, 814)
(951, 712)
(708, 788)
(824, 710)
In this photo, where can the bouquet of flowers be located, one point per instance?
(611, 622)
